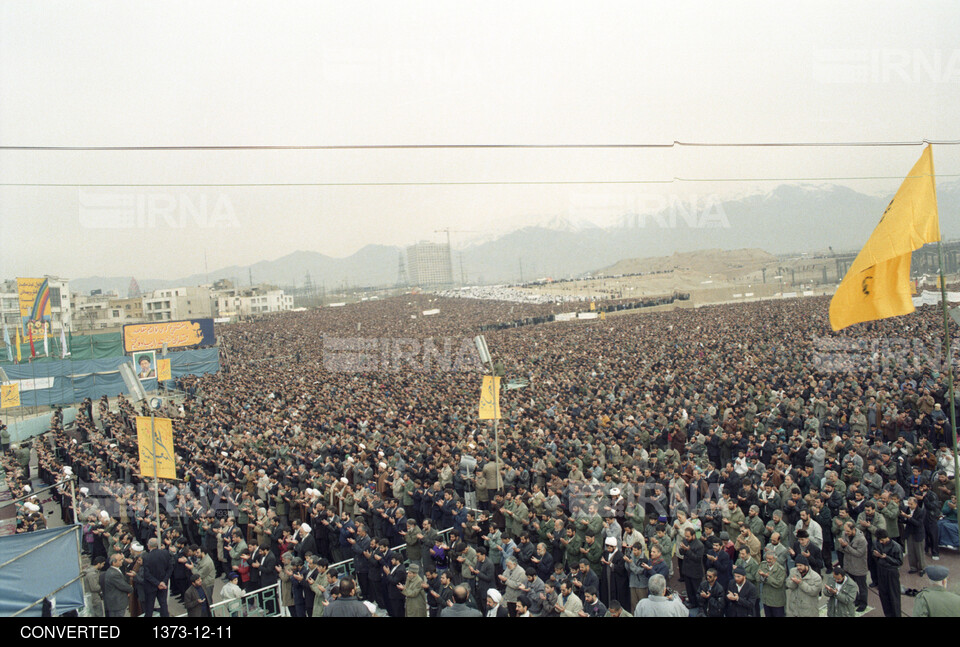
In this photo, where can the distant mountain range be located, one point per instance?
(789, 219)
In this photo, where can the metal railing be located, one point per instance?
(265, 602)
(345, 568)
(261, 603)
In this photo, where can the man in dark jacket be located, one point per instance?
(395, 575)
(741, 596)
(116, 588)
(460, 608)
(157, 569)
(347, 605)
(195, 598)
(305, 542)
(804, 546)
(267, 565)
(710, 596)
(691, 549)
(889, 558)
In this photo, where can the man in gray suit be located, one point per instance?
(116, 586)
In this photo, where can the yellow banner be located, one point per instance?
(593, 305)
(877, 284)
(162, 439)
(163, 369)
(175, 334)
(490, 398)
(9, 395)
(34, 301)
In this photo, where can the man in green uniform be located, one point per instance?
(936, 601)
(841, 592)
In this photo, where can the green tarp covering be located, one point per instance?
(80, 347)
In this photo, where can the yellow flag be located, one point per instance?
(19, 357)
(490, 398)
(163, 369)
(162, 440)
(9, 395)
(877, 285)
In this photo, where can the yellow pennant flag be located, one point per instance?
(877, 285)
(163, 369)
(490, 398)
(19, 357)
(9, 395)
(160, 445)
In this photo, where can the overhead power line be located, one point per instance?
(334, 147)
(451, 183)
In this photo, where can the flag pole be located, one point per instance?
(948, 351)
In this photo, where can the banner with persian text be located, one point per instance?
(175, 334)
(34, 300)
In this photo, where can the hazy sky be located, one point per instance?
(361, 73)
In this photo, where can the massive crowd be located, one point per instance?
(735, 460)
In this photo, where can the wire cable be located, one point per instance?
(451, 183)
(675, 143)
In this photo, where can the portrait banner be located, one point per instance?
(145, 365)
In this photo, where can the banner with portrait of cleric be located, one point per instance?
(145, 365)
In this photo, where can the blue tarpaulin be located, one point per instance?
(37, 565)
(74, 380)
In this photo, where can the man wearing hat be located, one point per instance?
(413, 593)
(803, 590)
(841, 592)
(936, 601)
(614, 578)
(741, 596)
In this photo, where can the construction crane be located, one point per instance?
(448, 231)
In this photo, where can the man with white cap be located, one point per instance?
(937, 601)
(614, 578)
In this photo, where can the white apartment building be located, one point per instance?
(235, 302)
(172, 304)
